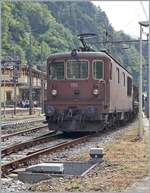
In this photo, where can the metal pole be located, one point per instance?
(14, 80)
(42, 94)
(30, 77)
(4, 94)
(139, 134)
(15, 73)
(147, 68)
(0, 84)
(149, 75)
(42, 83)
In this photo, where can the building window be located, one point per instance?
(118, 75)
(8, 95)
(24, 73)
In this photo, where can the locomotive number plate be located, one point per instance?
(74, 85)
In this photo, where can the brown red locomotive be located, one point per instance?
(87, 91)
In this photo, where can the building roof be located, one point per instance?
(34, 69)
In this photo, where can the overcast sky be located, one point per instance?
(125, 15)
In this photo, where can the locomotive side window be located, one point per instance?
(77, 69)
(56, 70)
(118, 75)
(98, 69)
(129, 86)
(110, 71)
(124, 80)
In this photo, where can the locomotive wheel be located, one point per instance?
(112, 121)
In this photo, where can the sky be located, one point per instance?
(125, 15)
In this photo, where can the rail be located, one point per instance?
(35, 141)
(9, 167)
(22, 132)
(19, 122)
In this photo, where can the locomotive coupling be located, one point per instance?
(50, 111)
(91, 112)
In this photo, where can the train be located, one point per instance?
(88, 91)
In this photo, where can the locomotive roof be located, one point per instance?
(88, 54)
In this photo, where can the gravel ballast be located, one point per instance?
(79, 152)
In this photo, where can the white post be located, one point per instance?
(149, 74)
(0, 81)
(139, 135)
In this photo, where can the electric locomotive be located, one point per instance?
(87, 90)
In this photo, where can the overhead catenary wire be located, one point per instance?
(144, 10)
(130, 22)
(118, 42)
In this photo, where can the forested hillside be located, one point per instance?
(21, 19)
(54, 27)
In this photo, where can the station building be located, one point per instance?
(39, 85)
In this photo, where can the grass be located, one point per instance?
(125, 162)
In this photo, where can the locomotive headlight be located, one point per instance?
(54, 92)
(95, 92)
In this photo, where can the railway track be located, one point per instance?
(28, 159)
(21, 122)
(35, 141)
(6, 136)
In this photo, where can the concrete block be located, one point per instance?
(47, 168)
(14, 176)
(29, 177)
(97, 151)
(35, 174)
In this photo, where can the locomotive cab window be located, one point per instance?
(56, 70)
(98, 69)
(77, 69)
(129, 86)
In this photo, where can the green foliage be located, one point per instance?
(85, 17)
(20, 20)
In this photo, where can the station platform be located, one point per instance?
(19, 111)
(144, 184)
(141, 186)
(145, 123)
(11, 109)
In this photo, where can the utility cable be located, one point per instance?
(144, 10)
